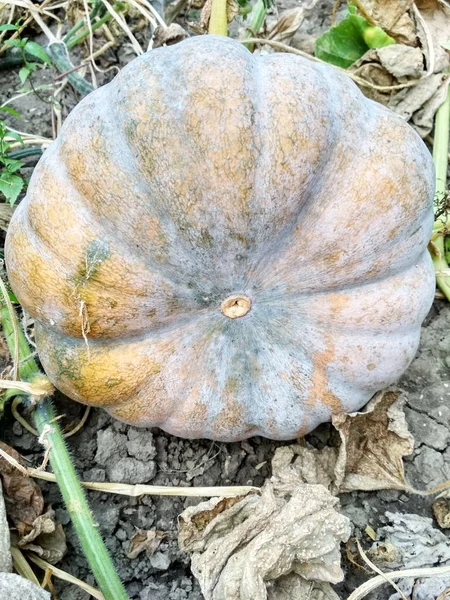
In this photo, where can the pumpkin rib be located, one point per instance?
(397, 307)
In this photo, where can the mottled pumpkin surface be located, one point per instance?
(203, 173)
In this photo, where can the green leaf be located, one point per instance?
(15, 43)
(23, 74)
(345, 43)
(12, 165)
(8, 27)
(11, 111)
(37, 51)
(12, 297)
(14, 135)
(10, 186)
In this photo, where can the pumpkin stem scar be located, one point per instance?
(236, 306)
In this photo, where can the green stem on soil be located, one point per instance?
(256, 21)
(440, 157)
(46, 423)
(82, 22)
(25, 153)
(85, 32)
(218, 22)
(77, 506)
(59, 57)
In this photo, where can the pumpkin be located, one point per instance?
(225, 245)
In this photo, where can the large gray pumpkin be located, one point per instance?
(225, 245)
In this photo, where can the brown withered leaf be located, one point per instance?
(51, 546)
(290, 21)
(394, 17)
(46, 538)
(23, 497)
(369, 457)
(373, 444)
(145, 541)
(435, 24)
(369, 68)
(168, 36)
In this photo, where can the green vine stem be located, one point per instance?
(257, 17)
(99, 7)
(440, 157)
(85, 32)
(51, 437)
(218, 23)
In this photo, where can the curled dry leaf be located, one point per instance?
(419, 54)
(46, 539)
(167, 36)
(290, 21)
(373, 444)
(441, 509)
(433, 29)
(145, 541)
(370, 456)
(258, 546)
(393, 16)
(292, 587)
(23, 497)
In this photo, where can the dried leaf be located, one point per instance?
(42, 525)
(435, 24)
(369, 68)
(304, 465)
(441, 509)
(292, 587)
(287, 26)
(147, 541)
(23, 497)
(423, 119)
(374, 443)
(6, 212)
(168, 36)
(401, 60)
(50, 546)
(393, 17)
(369, 457)
(408, 101)
(241, 547)
(46, 538)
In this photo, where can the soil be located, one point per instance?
(106, 450)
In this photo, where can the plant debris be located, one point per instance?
(23, 497)
(166, 36)
(254, 546)
(441, 510)
(369, 457)
(145, 541)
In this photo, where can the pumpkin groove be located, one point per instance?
(248, 236)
